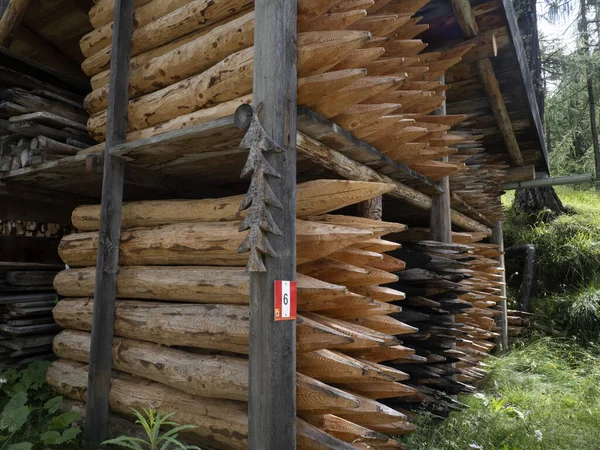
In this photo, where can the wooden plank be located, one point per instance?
(49, 119)
(498, 239)
(110, 231)
(272, 359)
(10, 19)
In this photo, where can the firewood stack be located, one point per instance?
(30, 229)
(359, 65)
(26, 324)
(39, 122)
(181, 321)
(518, 324)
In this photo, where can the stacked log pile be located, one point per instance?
(480, 184)
(359, 64)
(26, 324)
(181, 320)
(30, 229)
(518, 324)
(39, 121)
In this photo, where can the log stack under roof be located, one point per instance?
(182, 317)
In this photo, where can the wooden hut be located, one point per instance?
(306, 197)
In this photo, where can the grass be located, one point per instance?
(543, 396)
(567, 247)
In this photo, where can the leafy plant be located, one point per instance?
(151, 421)
(30, 416)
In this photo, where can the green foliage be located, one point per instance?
(543, 396)
(30, 417)
(567, 247)
(151, 421)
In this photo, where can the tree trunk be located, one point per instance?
(534, 201)
(590, 86)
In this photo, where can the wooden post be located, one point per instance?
(498, 239)
(110, 231)
(272, 359)
(440, 223)
(371, 209)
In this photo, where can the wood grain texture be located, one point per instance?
(99, 382)
(272, 358)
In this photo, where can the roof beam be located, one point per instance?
(466, 20)
(10, 19)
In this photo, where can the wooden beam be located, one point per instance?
(521, 173)
(110, 231)
(319, 153)
(272, 359)
(440, 215)
(466, 20)
(498, 239)
(10, 19)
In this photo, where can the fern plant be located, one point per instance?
(152, 421)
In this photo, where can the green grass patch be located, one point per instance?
(567, 247)
(543, 396)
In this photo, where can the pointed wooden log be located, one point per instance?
(377, 227)
(334, 367)
(183, 62)
(219, 285)
(103, 11)
(309, 10)
(334, 21)
(381, 25)
(311, 89)
(337, 272)
(381, 389)
(312, 198)
(404, 47)
(101, 37)
(358, 257)
(350, 5)
(389, 264)
(230, 79)
(383, 127)
(218, 327)
(192, 17)
(352, 312)
(380, 293)
(384, 415)
(203, 243)
(384, 324)
(384, 66)
(378, 5)
(360, 116)
(360, 57)
(337, 102)
(379, 354)
(405, 6)
(215, 376)
(378, 245)
(395, 429)
(344, 429)
(309, 437)
(348, 300)
(363, 337)
(214, 419)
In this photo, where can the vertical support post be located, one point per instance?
(107, 262)
(498, 239)
(372, 208)
(272, 359)
(440, 224)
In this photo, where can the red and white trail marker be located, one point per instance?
(285, 300)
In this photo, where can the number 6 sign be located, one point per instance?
(285, 300)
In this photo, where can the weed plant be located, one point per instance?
(542, 396)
